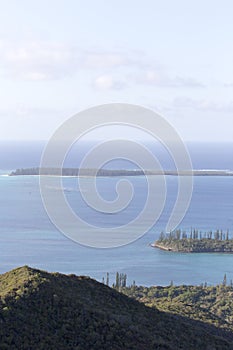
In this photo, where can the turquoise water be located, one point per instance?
(28, 237)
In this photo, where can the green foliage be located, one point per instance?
(40, 310)
(212, 305)
(76, 172)
(195, 242)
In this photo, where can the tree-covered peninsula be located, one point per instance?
(195, 242)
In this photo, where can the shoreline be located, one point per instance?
(74, 172)
(158, 246)
(174, 250)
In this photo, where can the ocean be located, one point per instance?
(27, 235)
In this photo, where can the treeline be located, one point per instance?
(41, 310)
(210, 304)
(75, 172)
(194, 234)
(120, 281)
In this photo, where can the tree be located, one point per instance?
(178, 234)
(161, 236)
(107, 279)
(117, 285)
(124, 280)
(134, 284)
(224, 282)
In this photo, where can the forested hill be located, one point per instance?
(40, 310)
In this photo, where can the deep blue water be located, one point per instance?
(28, 237)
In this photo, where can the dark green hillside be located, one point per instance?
(39, 310)
(213, 305)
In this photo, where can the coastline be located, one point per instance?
(167, 249)
(192, 251)
(74, 172)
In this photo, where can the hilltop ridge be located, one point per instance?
(41, 310)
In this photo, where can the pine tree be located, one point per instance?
(161, 236)
(125, 280)
(107, 279)
(117, 285)
(224, 282)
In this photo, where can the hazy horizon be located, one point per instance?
(27, 154)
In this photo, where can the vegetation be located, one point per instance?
(121, 281)
(209, 304)
(195, 242)
(75, 172)
(40, 310)
(115, 172)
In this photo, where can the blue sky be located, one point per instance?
(60, 57)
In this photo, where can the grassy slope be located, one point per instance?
(39, 310)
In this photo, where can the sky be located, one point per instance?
(60, 57)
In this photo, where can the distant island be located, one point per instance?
(195, 242)
(75, 172)
(115, 172)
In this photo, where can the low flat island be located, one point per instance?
(195, 242)
(116, 172)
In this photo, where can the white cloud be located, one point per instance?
(49, 60)
(202, 105)
(104, 60)
(185, 82)
(159, 79)
(228, 85)
(37, 60)
(41, 61)
(106, 82)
